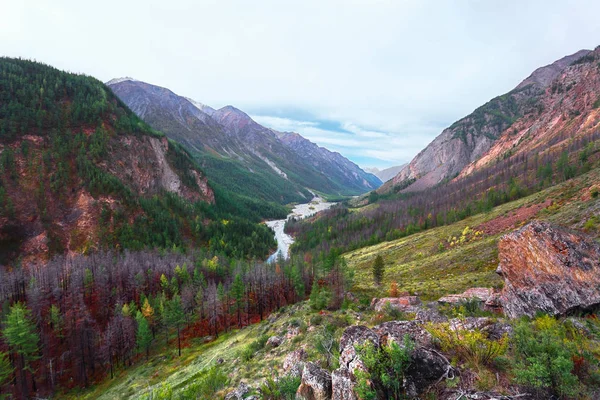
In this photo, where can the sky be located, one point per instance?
(374, 80)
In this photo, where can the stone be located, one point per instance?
(427, 367)
(549, 269)
(480, 294)
(404, 303)
(469, 323)
(293, 364)
(498, 330)
(396, 330)
(430, 315)
(315, 384)
(239, 393)
(352, 336)
(275, 341)
(342, 384)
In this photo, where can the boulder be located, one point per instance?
(352, 336)
(469, 323)
(427, 367)
(498, 330)
(239, 393)
(430, 314)
(396, 330)
(275, 341)
(480, 294)
(293, 364)
(404, 303)
(548, 268)
(315, 384)
(342, 383)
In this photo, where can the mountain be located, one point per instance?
(338, 168)
(386, 174)
(80, 172)
(240, 154)
(469, 138)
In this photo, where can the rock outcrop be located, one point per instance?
(403, 303)
(427, 365)
(480, 294)
(293, 364)
(550, 269)
(316, 383)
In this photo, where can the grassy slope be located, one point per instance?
(415, 262)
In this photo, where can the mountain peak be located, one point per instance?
(119, 80)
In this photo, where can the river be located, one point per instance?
(284, 241)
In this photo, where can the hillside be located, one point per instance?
(80, 172)
(424, 264)
(387, 173)
(469, 138)
(553, 142)
(241, 155)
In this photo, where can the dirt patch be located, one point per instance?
(513, 220)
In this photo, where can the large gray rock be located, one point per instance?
(315, 385)
(550, 269)
(239, 393)
(342, 382)
(293, 364)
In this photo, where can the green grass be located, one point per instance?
(418, 266)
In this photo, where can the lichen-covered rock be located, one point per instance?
(550, 269)
(275, 341)
(404, 303)
(396, 330)
(293, 364)
(352, 336)
(315, 384)
(430, 315)
(479, 294)
(239, 393)
(470, 323)
(342, 383)
(498, 330)
(426, 368)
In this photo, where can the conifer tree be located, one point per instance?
(176, 317)
(22, 338)
(143, 335)
(378, 270)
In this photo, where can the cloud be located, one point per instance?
(396, 72)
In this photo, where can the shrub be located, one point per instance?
(545, 356)
(283, 388)
(319, 297)
(248, 352)
(471, 346)
(386, 368)
(316, 320)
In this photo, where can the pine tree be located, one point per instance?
(237, 291)
(6, 369)
(22, 338)
(143, 335)
(378, 270)
(176, 317)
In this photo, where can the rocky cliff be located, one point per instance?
(228, 139)
(468, 139)
(549, 269)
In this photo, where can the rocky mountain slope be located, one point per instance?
(387, 173)
(253, 156)
(468, 139)
(75, 164)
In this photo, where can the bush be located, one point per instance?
(316, 320)
(283, 388)
(248, 352)
(471, 346)
(386, 368)
(319, 297)
(545, 355)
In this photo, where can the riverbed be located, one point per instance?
(284, 241)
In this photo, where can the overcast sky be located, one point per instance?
(374, 80)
